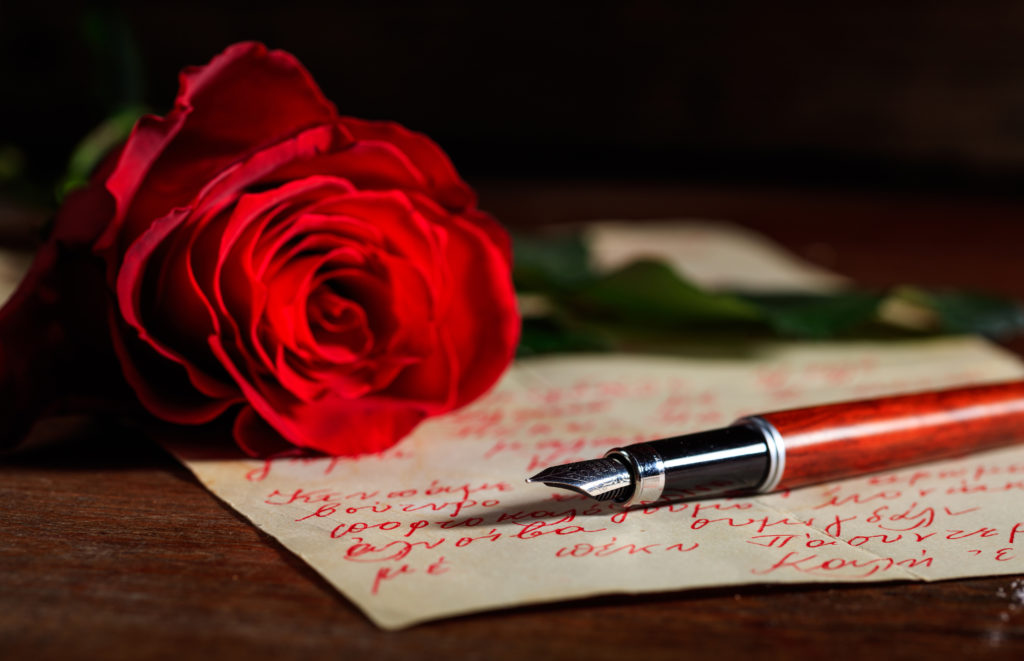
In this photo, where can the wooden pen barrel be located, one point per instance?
(841, 440)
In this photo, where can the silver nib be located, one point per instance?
(602, 479)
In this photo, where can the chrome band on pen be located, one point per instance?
(648, 472)
(776, 451)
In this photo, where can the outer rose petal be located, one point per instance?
(129, 290)
(84, 214)
(163, 387)
(364, 435)
(55, 349)
(244, 98)
(484, 305)
(443, 182)
(387, 156)
(335, 425)
(493, 230)
(488, 309)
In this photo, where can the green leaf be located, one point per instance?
(94, 146)
(648, 303)
(967, 312)
(556, 262)
(817, 316)
(650, 292)
(553, 335)
(117, 81)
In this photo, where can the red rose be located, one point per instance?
(328, 278)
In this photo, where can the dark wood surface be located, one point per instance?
(110, 549)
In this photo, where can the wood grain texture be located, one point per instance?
(853, 438)
(109, 549)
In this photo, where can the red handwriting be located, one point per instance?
(388, 573)
(332, 501)
(538, 528)
(962, 488)
(999, 555)
(973, 473)
(554, 450)
(460, 491)
(842, 567)
(583, 549)
(692, 508)
(362, 551)
(321, 465)
(1018, 529)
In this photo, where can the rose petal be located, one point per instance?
(486, 307)
(385, 156)
(244, 98)
(334, 424)
(129, 294)
(163, 387)
(230, 279)
(444, 183)
(256, 437)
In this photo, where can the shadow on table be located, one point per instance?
(86, 442)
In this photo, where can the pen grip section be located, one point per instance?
(732, 459)
(830, 442)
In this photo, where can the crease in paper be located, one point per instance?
(443, 524)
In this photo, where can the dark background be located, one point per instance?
(874, 94)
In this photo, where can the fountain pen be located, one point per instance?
(798, 447)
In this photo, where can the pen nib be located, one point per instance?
(603, 479)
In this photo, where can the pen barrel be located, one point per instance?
(842, 440)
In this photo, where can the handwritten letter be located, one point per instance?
(444, 524)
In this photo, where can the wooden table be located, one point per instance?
(110, 549)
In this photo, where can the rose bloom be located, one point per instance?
(328, 281)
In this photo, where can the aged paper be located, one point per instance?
(713, 254)
(444, 524)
